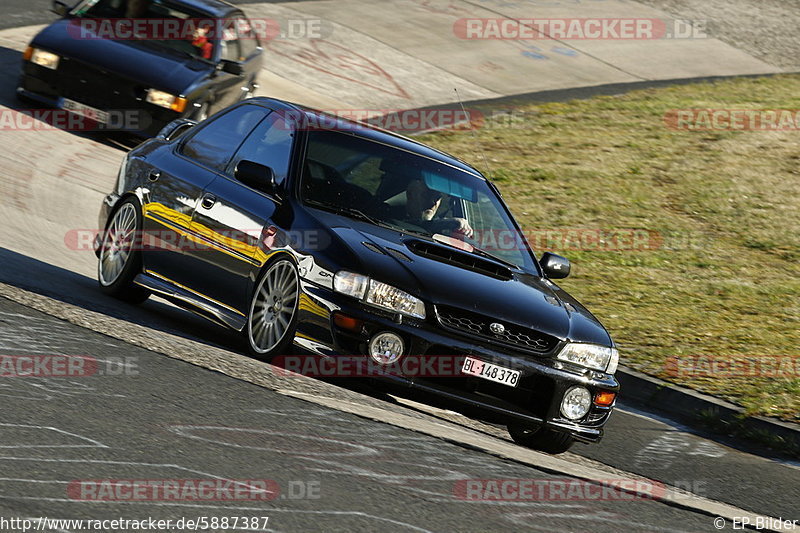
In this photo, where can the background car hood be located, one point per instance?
(167, 72)
(525, 299)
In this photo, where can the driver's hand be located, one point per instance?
(463, 229)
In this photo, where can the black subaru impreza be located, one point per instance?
(337, 240)
(136, 65)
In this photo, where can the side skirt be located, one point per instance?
(193, 301)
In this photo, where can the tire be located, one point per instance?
(120, 258)
(542, 439)
(272, 316)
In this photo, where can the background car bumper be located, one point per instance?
(133, 115)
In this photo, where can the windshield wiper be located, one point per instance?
(358, 213)
(486, 254)
(353, 212)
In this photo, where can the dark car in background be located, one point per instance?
(92, 62)
(296, 228)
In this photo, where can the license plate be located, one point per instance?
(492, 372)
(89, 112)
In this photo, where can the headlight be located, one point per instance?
(165, 99)
(354, 285)
(378, 294)
(44, 58)
(592, 356)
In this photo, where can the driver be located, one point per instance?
(421, 206)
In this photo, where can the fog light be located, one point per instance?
(576, 403)
(386, 348)
(604, 398)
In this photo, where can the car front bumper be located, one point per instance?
(128, 111)
(534, 402)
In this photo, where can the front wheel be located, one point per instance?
(542, 439)
(120, 257)
(272, 319)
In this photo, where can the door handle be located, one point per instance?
(208, 201)
(154, 175)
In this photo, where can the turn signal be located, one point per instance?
(178, 105)
(28, 53)
(605, 398)
(347, 322)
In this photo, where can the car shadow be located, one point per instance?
(10, 68)
(82, 291)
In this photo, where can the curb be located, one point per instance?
(684, 403)
(503, 104)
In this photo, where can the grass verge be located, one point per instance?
(719, 277)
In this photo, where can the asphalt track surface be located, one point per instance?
(169, 420)
(173, 420)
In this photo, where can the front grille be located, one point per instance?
(478, 325)
(89, 85)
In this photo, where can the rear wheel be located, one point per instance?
(120, 257)
(542, 439)
(272, 319)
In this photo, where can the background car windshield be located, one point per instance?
(355, 176)
(193, 44)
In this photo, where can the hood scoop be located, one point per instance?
(452, 256)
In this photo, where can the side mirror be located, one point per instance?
(257, 176)
(231, 67)
(59, 8)
(554, 266)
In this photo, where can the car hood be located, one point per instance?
(524, 299)
(166, 72)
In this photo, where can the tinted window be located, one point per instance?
(247, 38)
(230, 45)
(216, 142)
(270, 144)
(410, 192)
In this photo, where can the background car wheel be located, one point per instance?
(272, 319)
(120, 257)
(542, 439)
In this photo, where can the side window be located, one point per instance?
(230, 45)
(270, 144)
(214, 144)
(247, 37)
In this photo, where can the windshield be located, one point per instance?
(409, 192)
(191, 37)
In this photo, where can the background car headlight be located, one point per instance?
(165, 99)
(594, 356)
(378, 294)
(44, 58)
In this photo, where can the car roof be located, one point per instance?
(368, 131)
(211, 7)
